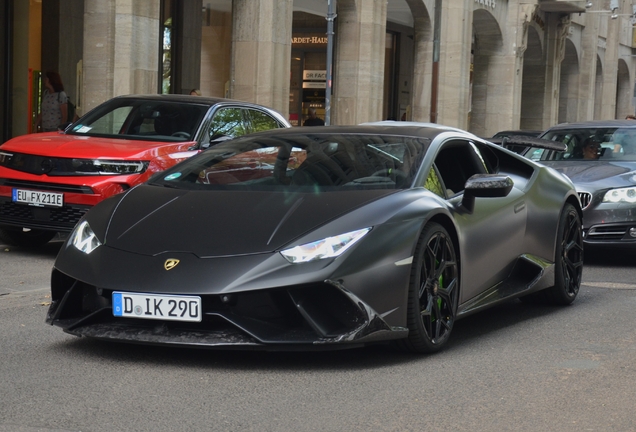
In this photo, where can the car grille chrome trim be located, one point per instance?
(586, 199)
(49, 187)
(610, 233)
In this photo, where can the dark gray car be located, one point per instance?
(604, 175)
(319, 238)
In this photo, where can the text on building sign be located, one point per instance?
(309, 40)
(487, 3)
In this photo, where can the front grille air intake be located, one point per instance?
(586, 199)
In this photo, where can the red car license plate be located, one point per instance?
(38, 198)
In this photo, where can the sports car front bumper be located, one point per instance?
(314, 316)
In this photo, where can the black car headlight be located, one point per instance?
(622, 195)
(5, 158)
(329, 247)
(84, 239)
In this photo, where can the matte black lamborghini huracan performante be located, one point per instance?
(315, 238)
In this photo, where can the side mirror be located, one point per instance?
(215, 139)
(485, 186)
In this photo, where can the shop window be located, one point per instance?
(167, 57)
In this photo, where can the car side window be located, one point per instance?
(227, 123)
(535, 154)
(434, 184)
(456, 162)
(262, 121)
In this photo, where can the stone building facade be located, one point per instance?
(481, 65)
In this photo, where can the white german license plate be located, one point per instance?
(161, 307)
(38, 198)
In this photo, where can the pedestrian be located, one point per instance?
(630, 117)
(54, 108)
(313, 119)
(195, 92)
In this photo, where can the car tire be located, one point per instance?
(433, 292)
(568, 262)
(27, 239)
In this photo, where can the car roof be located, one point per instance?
(519, 132)
(596, 124)
(413, 124)
(412, 129)
(204, 100)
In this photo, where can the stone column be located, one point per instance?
(497, 68)
(588, 60)
(261, 52)
(569, 87)
(121, 48)
(453, 103)
(556, 32)
(506, 81)
(610, 71)
(359, 69)
(422, 69)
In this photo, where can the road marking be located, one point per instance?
(610, 285)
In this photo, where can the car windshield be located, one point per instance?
(304, 161)
(593, 144)
(142, 119)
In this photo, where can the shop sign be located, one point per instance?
(314, 75)
(314, 85)
(487, 3)
(309, 40)
(304, 40)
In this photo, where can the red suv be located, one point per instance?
(49, 180)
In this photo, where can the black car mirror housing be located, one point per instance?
(485, 186)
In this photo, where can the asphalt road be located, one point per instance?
(517, 367)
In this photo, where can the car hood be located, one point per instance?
(601, 174)
(56, 144)
(150, 220)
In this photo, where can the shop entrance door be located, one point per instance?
(308, 84)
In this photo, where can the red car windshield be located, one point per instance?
(142, 119)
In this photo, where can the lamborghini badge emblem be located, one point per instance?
(170, 263)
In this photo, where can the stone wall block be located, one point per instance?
(248, 20)
(144, 80)
(146, 9)
(246, 57)
(145, 33)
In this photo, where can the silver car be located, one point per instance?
(601, 162)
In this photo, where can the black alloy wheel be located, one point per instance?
(568, 257)
(433, 291)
